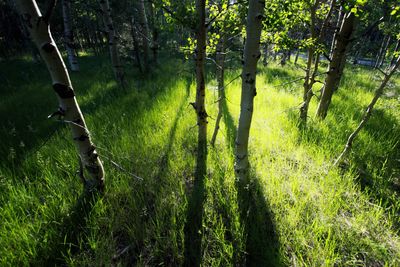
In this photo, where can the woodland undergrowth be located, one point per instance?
(297, 210)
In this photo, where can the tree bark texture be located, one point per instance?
(309, 77)
(154, 28)
(382, 57)
(144, 25)
(135, 44)
(337, 29)
(68, 35)
(336, 66)
(193, 226)
(112, 42)
(69, 109)
(251, 56)
(220, 60)
(368, 111)
(200, 82)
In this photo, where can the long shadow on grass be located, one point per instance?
(69, 233)
(30, 99)
(194, 216)
(375, 164)
(262, 243)
(26, 128)
(154, 191)
(171, 136)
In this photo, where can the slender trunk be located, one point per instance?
(220, 59)
(193, 226)
(154, 44)
(379, 55)
(265, 56)
(337, 29)
(69, 108)
(112, 43)
(145, 33)
(68, 35)
(297, 56)
(336, 66)
(135, 44)
(368, 111)
(308, 81)
(250, 57)
(383, 56)
(200, 84)
(307, 89)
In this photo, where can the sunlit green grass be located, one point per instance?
(297, 209)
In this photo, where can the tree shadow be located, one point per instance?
(71, 231)
(194, 216)
(26, 130)
(262, 242)
(153, 191)
(229, 125)
(374, 159)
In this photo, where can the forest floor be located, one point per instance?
(297, 209)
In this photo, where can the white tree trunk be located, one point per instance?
(68, 35)
(112, 42)
(69, 108)
(144, 25)
(250, 57)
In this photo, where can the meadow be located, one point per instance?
(297, 209)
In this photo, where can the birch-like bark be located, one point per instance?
(368, 111)
(154, 28)
(68, 35)
(193, 226)
(69, 109)
(135, 44)
(200, 86)
(144, 25)
(220, 60)
(337, 29)
(251, 56)
(336, 66)
(112, 42)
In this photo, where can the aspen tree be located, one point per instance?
(336, 66)
(251, 56)
(112, 42)
(313, 58)
(200, 86)
(68, 35)
(38, 27)
(144, 25)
